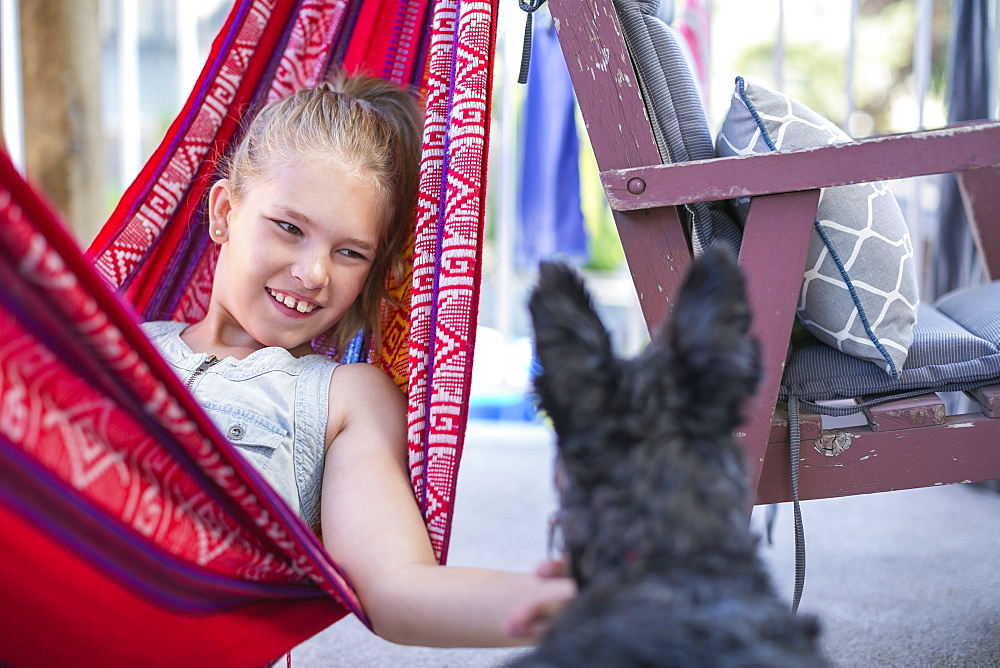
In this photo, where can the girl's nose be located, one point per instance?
(312, 272)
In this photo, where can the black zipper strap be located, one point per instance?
(530, 7)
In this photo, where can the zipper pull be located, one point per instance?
(209, 362)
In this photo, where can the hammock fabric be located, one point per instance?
(132, 532)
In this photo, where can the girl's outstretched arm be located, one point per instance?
(373, 529)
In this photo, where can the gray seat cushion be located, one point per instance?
(956, 346)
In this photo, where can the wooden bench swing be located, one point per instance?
(907, 443)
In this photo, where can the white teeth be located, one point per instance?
(290, 302)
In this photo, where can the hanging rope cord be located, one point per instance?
(795, 406)
(800, 536)
(794, 447)
(529, 7)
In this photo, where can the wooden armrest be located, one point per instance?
(951, 149)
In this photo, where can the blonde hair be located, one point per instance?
(368, 124)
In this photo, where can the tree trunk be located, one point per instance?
(61, 74)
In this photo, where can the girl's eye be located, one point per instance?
(288, 227)
(353, 254)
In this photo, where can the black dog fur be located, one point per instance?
(652, 486)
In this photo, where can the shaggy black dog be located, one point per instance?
(652, 487)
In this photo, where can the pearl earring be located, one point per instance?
(218, 232)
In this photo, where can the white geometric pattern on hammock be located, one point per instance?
(456, 123)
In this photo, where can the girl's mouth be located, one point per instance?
(291, 302)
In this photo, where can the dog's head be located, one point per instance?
(636, 433)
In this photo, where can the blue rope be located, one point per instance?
(753, 112)
(857, 300)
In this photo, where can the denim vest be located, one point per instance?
(272, 406)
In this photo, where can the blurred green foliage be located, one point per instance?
(816, 73)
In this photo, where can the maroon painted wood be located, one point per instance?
(980, 190)
(922, 411)
(773, 258)
(605, 82)
(989, 400)
(658, 258)
(950, 149)
(607, 91)
(810, 425)
(963, 449)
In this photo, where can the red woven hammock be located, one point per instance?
(130, 530)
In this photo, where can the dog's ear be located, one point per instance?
(573, 347)
(715, 360)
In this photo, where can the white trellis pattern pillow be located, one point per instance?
(859, 292)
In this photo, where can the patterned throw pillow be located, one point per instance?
(859, 292)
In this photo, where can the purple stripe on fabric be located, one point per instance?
(206, 82)
(51, 332)
(187, 257)
(336, 38)
(183, 265)
(422, 47)
(72, 519)
(267, 77)
(349, 22)
(79, 358)
(439, 246)
(394, 59)
(65, 345)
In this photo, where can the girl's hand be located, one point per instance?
(553, 568)
(531, 621)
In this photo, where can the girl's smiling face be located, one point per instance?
(296, 251)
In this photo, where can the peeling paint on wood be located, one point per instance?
(921, 411)
(605, 59)
(889, 460)
(911, 415)
(810, 426)
(988, 399)
(833, 443)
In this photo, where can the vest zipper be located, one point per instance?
(209, 362)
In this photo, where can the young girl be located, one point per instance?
(310, 221)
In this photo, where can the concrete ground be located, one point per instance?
(908, 578)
